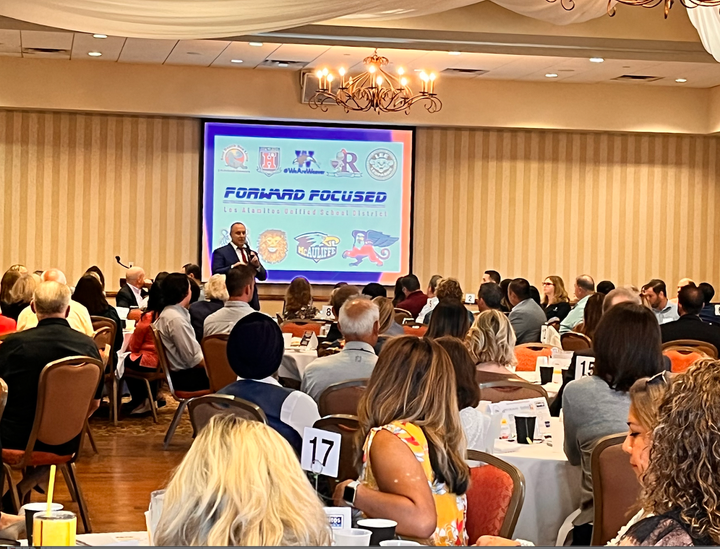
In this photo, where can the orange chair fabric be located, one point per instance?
(488, 501)
(14, 457)
(681, 361)
(298, 330)
(527, 358)
(418, 331)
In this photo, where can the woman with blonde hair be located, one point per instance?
(298, 300)
(555, 301)
(22, 293)
(241, 484)
(491, 342)
(388, 326)
(413, 457)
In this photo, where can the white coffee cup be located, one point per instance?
(352, 537)
(397, 542)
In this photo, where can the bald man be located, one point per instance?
(78, 317)
(584, 288)
(133, 294)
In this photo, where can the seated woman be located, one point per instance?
(475, 424)
(388, 327)
(21, 295)
(449, 289)
(216, 295)
(89, 292)
(491, 342)
(240, 484)
(627, 347)
(298, 300)
(555, 301)
(448, 318)
(185, 357)
(6, 284)
(413, 458)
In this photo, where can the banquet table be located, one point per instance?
(552, 487)
(115, 539)
(552, 388)
(294, 363)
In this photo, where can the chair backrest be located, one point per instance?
(575, 341)
(402, 314)
(65, 392)
(298, 328)
(342, 398)
(3, 396)
(495, 497)
(203, 408)
(708, 348)
(615, 488)
(103, 336)
(682, 357)
(347, 426)
(499, 391)
(163, 359)
(527, 354)
(415, 329)
(100, 322)
(218, 368)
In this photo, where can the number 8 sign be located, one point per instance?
(320, 452)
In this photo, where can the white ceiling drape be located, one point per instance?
(707, 22)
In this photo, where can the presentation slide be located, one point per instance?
(328, 203)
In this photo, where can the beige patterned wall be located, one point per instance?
(626, 207)
(77, 189)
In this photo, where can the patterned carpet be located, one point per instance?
(140, 424)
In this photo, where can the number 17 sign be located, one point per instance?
(320, 452)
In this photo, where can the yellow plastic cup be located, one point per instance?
(56, 528)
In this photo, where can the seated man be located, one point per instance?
(689, 325)
(415, 299)
(255, 350)
(359, 323)
(526, 317)
(338, 297)
(78, 317)
(133, 294)
(240, 283)
(185, 357)
(710, 311)
(24, 355)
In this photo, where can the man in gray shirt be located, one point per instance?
(526, 317)
(359, 322)
(240, 283)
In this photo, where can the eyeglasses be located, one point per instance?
(657, 379)
(548, 284)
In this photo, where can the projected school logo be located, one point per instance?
(269, 160)
(317, 246)
(344, 165)
(235, 157)
(372, 245)
(381, 164)
(273, 246)
(305, 164)
(224, 237)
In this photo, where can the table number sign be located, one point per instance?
(320, 452)
(584, 366)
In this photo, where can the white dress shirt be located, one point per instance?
(241, 253)
(137, 292)
(298, 411)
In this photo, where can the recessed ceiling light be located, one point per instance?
(454, 52)
(256, 44)
(551, 75)
(99, 35)
(596, 60)
(236, 60)
(94, 53)
(283, 65)
(681, 80)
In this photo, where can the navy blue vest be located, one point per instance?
(270, 398)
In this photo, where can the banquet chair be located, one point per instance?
(527, 354)
(105, 331)
(298, 327)
(415, 329)
(615, 488)
(402, 314)
(708, 348)
(342, 398)
(218, 368)
(346, 426)
(181, 396)
(682, 357)
(66, 390)
(495, 497)
(202, 409)
(503, 390)
(575, 341)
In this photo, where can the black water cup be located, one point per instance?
(546, 374)
(525, 429)
(382, 529)
(30, 510)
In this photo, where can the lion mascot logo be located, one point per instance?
(273, 246)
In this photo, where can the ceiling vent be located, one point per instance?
(463, 72)
(637, 78)
(46, 52)
(283, 64)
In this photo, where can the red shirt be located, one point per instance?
(7, 325)
(142, 343)
(414, 302)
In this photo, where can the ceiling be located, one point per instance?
(274, 56)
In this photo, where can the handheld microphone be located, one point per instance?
(117, 258)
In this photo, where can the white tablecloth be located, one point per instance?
(552, 488)
(122, 353)
(294, 363)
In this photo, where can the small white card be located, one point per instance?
(326, 312)
(339, 517)
(470, 298)
(531, 406)
(584, 366)
(320, 452)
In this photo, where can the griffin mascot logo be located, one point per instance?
(273, 246)
(372, 245)
(317, 246)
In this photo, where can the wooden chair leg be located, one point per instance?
(7, 473)
(82, 506)
(68, 482)
(114, 402)
(90, 437)
(153, 406)
(173, 425)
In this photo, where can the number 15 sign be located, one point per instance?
(320, 452)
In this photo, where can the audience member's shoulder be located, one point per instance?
(581, 385)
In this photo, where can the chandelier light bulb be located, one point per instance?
(372, 69)
(401, 71)
(319, 74)
(330, 78)
(379, 80)
(325, 72)
(423, 76)
(403, 81)
(341, 71)
(432, 76)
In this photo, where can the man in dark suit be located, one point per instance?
(238, 252)
(689, 325)
(133, 294)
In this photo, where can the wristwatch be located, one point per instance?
(350, 493)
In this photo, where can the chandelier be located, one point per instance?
(374, 90)
(689, 4)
